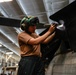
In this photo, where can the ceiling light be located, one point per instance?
(5, 0)
(0, 45)
(9, 53)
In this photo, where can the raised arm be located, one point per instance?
(43, 38)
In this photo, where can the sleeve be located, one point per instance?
(24, 37)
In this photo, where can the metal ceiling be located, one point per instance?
(17, 9)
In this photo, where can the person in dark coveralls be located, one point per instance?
(29, 42)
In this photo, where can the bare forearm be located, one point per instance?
(40, 39)
(49, 38)
(43, 37)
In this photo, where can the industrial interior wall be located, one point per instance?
(63, 64)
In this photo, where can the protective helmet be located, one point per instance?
(28, 21)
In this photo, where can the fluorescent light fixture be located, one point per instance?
(9, 53)
(0, 45)
(5, 0)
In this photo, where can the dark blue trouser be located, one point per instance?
(31, 65)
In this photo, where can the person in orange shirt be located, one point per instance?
(29, 42)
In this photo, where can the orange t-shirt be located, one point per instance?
(25, 48)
